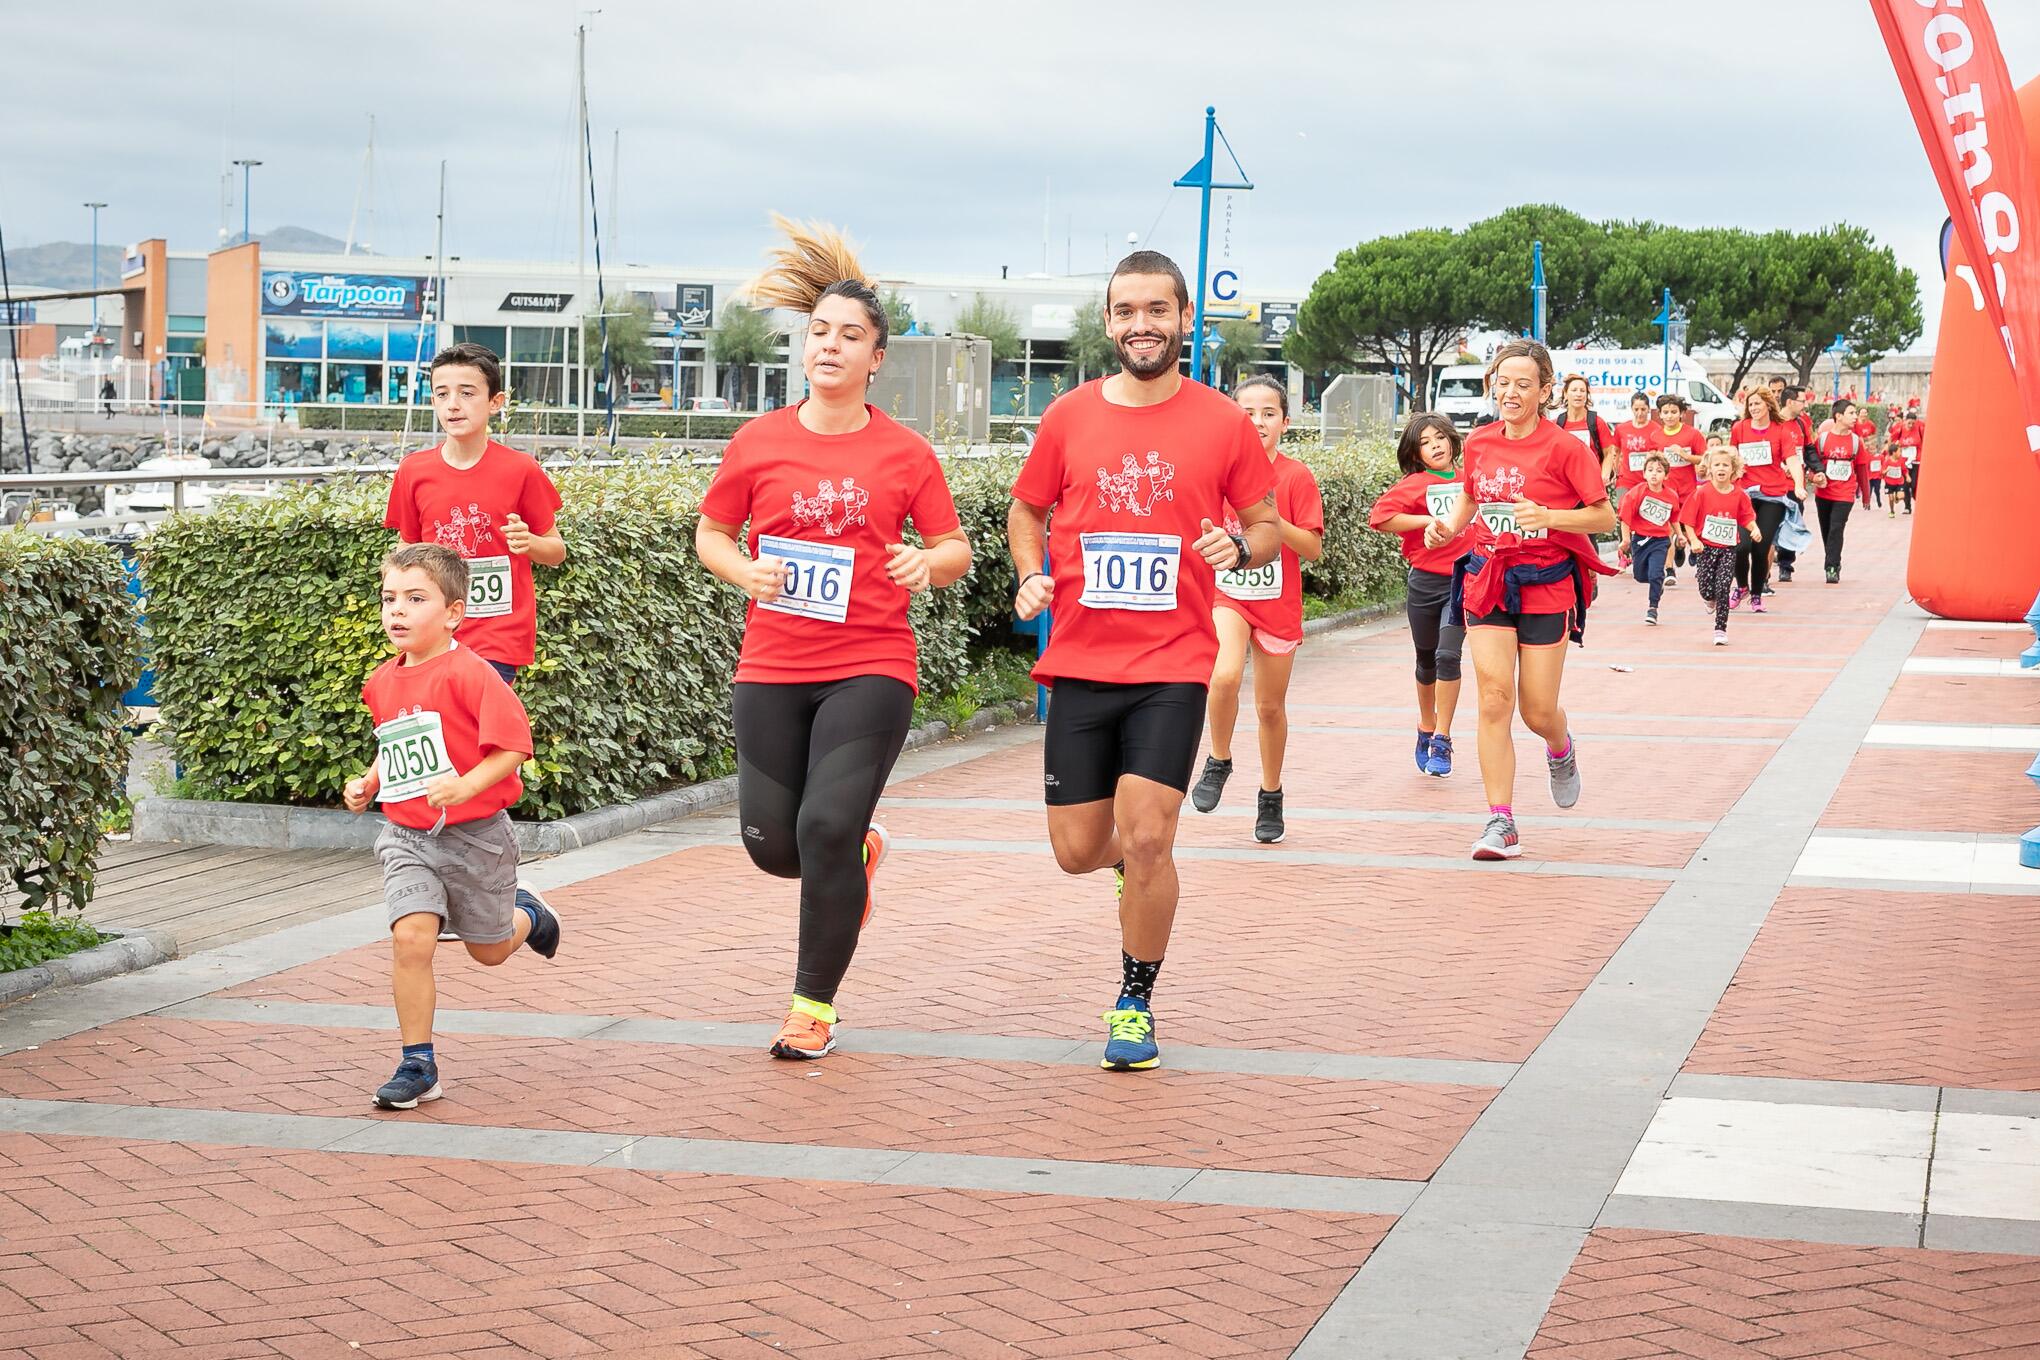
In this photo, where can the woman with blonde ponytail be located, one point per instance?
(825, 682)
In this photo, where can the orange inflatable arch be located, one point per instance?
(1976, 533)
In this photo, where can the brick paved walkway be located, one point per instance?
(1742, 1059)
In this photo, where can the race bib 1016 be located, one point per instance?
(488, 587)
(1130, 571)
(1757, 453)
(817, 578)
(1254, 583)
(410, 752)
(1718, 530)
(1500, 518)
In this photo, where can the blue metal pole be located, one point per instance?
(1665, 378)
(1203, 247)
(1540, 296)
(95, 267)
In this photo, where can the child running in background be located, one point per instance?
(1428, 454)
(1684, 447)
(1895, 489)
(1716, 518)
(1259, 612)
(1646, 515)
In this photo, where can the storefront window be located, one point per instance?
(292, 339)
(1009, 395)
(410, 344)
(530, 384)
(289, 384)
(353, 382)
(1046, 382)
(399, 374)
(353, 340)
(538, 345)
(491, 337)
(774, 389)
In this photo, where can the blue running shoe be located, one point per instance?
(1131, 1043)
(1439, 766)
(544, 938)
(1424, 740)
(416, 1080)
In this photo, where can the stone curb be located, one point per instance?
(271, 826)
(128, 952)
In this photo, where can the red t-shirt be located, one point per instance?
(1764, 453)
(1546, 467)
(431, 501)
(1717, 515)
(443, 716)
(828, 505)
(1840, 453)
(1423, 493)
(1649, 514)
(1129, 487)
(1683, 477)
(1632, 442)
(1578, 430)
(1270, 596)
(1865, 430)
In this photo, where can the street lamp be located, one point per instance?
(95, 207)
(246, 166)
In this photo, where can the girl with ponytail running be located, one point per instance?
(825, 682)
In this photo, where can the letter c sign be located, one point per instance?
(1225, 285)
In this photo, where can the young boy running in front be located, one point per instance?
(489, 503)
(1645, 517)
(1714, 518)
(450, 735)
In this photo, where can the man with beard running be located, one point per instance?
(1137, 469)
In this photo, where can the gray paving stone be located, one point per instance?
(1964, 1100)
(1776, 1222)
(1861, 1095)
(477, 1142)
(2017, 1236)
(1107, 1180)
(714, 1157)
(1323, 1194)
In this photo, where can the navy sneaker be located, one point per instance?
(416, 1079)
(544, 938)
(1130, 1044)
(1424, 740)
(1439, 766)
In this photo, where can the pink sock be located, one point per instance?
(1559, 755)
(1502, 810)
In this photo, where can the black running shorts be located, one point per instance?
(1532, 630)
(1098, 732)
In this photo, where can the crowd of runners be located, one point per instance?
(1179, 529)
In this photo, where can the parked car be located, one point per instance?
(704, 406)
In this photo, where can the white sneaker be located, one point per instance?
(1721, 637)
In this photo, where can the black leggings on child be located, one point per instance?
(811, 762)
(1715, 573)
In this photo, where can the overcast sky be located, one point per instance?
(930, 129)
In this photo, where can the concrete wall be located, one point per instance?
(233, 331)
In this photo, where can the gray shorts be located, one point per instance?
(466, 876)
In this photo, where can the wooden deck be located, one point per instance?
(211, 895)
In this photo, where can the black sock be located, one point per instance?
(420, 1051)
(1137, 978)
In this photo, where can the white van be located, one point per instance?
(1616, 375)
(1461, 394)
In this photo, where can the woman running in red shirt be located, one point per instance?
(1259, 611)
(1532, 496)
(1576, 417)
(826, 680)
(1634, 439)
(1428, 454)
(1772, 473)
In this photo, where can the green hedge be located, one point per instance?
(264, 623)
(528, 420)
(69, 647)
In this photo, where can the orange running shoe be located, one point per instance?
(804, 1036)
(876, 843)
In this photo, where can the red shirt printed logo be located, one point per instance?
(831, 511)
(1136, 488)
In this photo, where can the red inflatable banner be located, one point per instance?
(1967, 110)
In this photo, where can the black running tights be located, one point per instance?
(1753, 556)
(1715, 574)
(811, 762)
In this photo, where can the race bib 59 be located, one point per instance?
(488, 587)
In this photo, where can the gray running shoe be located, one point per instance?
(1499, 840)
(1565, 774)
(1210, 784)
(1268, 827)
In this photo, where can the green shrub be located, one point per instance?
(69, 647)
(529, 420)
(38, 937)
(265, 621)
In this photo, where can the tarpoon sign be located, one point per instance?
(386, 297)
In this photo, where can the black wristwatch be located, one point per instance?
(1246, 556)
